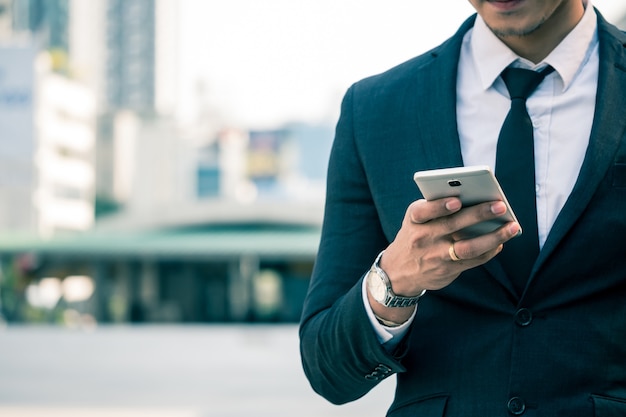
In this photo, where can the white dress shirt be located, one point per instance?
(561, 110)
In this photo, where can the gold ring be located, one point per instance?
(452, 253)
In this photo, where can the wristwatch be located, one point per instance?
(379, 285)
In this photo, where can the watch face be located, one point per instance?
(377, 287)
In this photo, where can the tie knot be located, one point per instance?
(522, 82)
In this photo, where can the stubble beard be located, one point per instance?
(518, 32)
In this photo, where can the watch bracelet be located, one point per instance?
(399, 301)
(394, 300)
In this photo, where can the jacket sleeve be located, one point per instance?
(341, 355)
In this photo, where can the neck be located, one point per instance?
(537, 45)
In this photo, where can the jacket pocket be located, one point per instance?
(434, 405)
(608, 406)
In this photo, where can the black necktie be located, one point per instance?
(515, 170)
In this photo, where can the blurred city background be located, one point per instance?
(162, 174)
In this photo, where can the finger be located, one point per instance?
(471, 215)
(452, 252)
(486, 246)
(422, 211)
(458, 261)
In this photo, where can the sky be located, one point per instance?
(263, 63)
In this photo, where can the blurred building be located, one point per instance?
(283, 164)
(198, 223)
(18, 143)
(6, 27)
(48, 19)
(220, 232)
(46, 146)
(46, 24)
(47, 123)
(64, 155)
(130, 46)
(126, 52)
(129, 61)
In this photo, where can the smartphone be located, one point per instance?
(473, 185)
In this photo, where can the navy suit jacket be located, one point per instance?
(476, 348)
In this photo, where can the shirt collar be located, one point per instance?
(492, 56)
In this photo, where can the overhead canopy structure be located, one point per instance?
(187, 265)
(200, 242)
(202, 230)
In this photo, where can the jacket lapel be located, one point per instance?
(437, 84)
(607, 132)
(436, 111)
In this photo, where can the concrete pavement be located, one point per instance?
(163, 371)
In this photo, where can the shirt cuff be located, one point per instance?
(389, 337)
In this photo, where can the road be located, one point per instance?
(163, 371)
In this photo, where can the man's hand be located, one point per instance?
(421, 257)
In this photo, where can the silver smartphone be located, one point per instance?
(473, 185)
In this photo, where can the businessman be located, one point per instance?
(529, 319)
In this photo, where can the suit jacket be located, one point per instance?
(476, 348)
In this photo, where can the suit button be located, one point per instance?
(523, 317)
(516, 406)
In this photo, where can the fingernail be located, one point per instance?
(498, 208)
(515, 229)
(453, 205)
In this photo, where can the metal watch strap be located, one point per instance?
(399, 301)
(393, 300)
